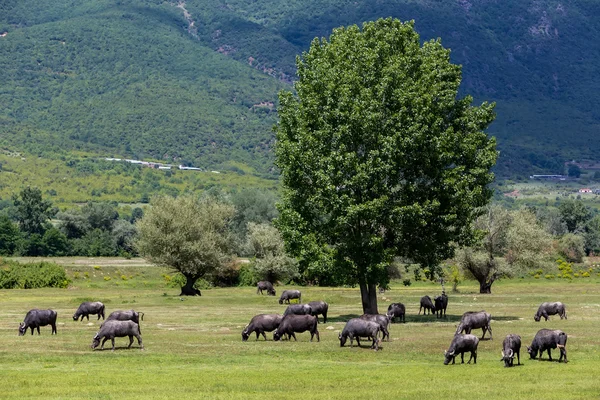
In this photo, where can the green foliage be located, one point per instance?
(33, 212)
(574, 214)
(572, 247)
(379, 156)
(14, 275)
(9, 236)
(454, 275)
(270, 260)
(246, 276)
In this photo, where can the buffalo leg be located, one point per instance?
(130, 341)
(139, 339)
(104, 341)
(294, 336)
(87, 316)
(462, 358)
(54, 329)
(113, 343)
(257, 334)
(324, 317)
(518, 358)
(549, 355)
(38, 329)
(358, 341)
(265, 336)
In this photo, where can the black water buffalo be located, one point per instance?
(87, 308)
(382, 320)
(547, 309)
(396, 310)
(426, 305)
(287, 295)
(115, 328)
(129, 315)
(460, 345)
(475, 320)
(319, 307)
(441, 303)
(290, 324)
(36, 318)
(298, 309)
(260, 324)
(357, 328)
(511, 346)
(265, 285)
(547, 339)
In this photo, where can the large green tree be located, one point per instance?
(188, 234)
(379, 156)
(33, 212)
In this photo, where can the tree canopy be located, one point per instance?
(378, 155)
(188, 234)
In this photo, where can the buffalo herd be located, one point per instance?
(299, 317)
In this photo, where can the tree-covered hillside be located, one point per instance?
(196, 81)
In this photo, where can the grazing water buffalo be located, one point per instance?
(475, 320)
(265, 285)
(287, 295)
(357, 328)
(396, 310)
(115, 328)
(319, 307)
(426, 305)
(441, 303)
(298, 309)
(511, 346)
(260, 324)
(460, 345)
(382, 320)
(290, 324)
(129, 315)
(547, 309)
(547, 339)
(87, 308)
(36, 318)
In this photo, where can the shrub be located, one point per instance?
(14, 275)
(246, 276)
(406, 282)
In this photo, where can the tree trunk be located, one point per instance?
(188, 289)
(485, 287)
(368, 294)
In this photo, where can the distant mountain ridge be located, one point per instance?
(196, 81)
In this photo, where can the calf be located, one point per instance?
(36, 318)
(129, 315)
(265, 285)
(260, 324)
(357, 328)
(115, 328)
(396, 310)
(547, 309)
(441, 303)
(382, 320)
(426, 305)
(511, 346)
(475, 320)
(319, 307)
(547, 339)
(460, 345)
(290, 324)
(298, 309)
(87, 308)
(287, 295)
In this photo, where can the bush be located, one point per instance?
(14, 275)
(246, 276)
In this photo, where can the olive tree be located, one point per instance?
(379, 157)
(188, 234)
(271, 263)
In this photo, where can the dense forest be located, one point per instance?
(196, 82)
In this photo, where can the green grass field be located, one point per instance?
(193, 346)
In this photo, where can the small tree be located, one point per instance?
(187, 234)
(33, 212)
(270, 263)
(574, 214)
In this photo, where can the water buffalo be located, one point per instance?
(298, 309)
(396, 310)
(382, 320)
(265, 285)
(441, 303)
(319, 307)
(260, 324)
(426, 305)
(87, 308)
(129, 315)
(511, 346)
(115, 328)
(357, 328)
(36, 318)
(475, 320)
(290, 324)
(547, 339)
(287, 295)
(547, 309)
(460, 345)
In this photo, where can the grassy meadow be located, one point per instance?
(193, 346)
